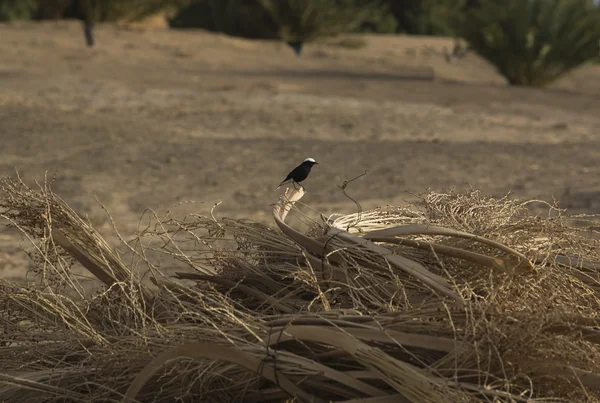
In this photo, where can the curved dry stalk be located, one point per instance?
(274, 302)
(403, 377)
(337, 275)
(290, 197)
(458, 253)
(93, 267)
(588, 334)
(338, 376)
(585, 378)
(112, 272)
(426, 229)
(573, 261)
(215, 352)
(397, 398)
(386, 336)
(41, 387)
(327, 270)
(402, 263)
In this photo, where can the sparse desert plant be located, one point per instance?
(131, 10)
(11, 10)
(423, 17)
(233, 17)
(531, 42)
(105, 10)
(54, 9)
(306, 20)
(378, 18)
(290, 20)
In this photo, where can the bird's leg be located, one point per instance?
(294, 183)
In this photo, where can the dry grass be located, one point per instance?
(460, 298)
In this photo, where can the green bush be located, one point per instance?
(113, 10)
(371, 16)
(104, 10)
(234, 17)
(53, 9)
(290, 20)
(305, 20)
(11, 10)
(532, 42)
(420, 17)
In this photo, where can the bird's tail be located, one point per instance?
(281, 184)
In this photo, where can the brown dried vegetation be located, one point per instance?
(458, 298)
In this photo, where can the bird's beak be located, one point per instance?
(316, 163)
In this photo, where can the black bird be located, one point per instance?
(299, 173)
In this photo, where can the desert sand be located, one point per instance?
(150, 118)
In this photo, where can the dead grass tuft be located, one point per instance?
(459, 298)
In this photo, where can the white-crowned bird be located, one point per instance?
(299, 173)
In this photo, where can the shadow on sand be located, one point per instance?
(407, 74)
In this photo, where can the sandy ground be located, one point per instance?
(149, 119)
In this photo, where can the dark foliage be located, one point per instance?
(532, 42)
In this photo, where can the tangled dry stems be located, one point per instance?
(458, 298)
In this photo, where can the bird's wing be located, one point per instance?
(287, 179)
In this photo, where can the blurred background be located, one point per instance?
(151, 104)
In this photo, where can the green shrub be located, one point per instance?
(53, 9)
(377, 17)
(421, 17)
(11, 10)
(131, 10)
(234, 17)
(532, 42)
(104, 10)
(290, 20)
(305, 20)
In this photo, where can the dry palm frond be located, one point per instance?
(460, 298)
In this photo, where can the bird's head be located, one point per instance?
(310, 162)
